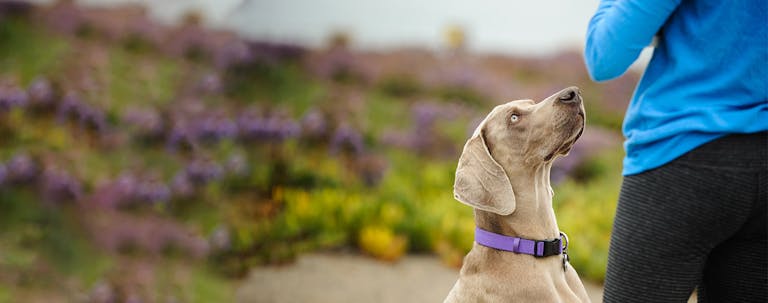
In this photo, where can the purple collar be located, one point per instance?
(538, 248)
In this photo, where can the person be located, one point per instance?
(691, 212)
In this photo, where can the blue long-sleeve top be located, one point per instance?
(708, 76)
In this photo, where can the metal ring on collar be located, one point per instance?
(564, 239)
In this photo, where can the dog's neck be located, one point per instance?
(533, 217)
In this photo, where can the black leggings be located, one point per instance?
(696, 222)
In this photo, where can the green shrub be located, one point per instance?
(585, 212)
(400, 86)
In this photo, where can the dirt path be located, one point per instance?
(340, 278)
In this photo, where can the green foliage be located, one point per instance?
(6, 295)
(585, 212)
(295, 196)
(411, 201)
(604, 118)
(27, 51)
(414, 200)
(400, 86)
(287, 84)
(157, 77)
(206, 287)
(462, 94)
(191, 284)
(32, 231)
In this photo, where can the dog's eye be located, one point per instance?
(514, 118)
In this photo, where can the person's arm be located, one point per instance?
(619, 30)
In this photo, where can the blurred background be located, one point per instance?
(212, 151)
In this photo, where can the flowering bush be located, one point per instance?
(242, 153)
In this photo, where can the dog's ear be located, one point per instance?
(480, 181)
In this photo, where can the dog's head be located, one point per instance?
(517, 136)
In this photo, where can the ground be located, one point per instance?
(342, 277)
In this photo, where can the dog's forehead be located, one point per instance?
(516, 104)
(521, 103)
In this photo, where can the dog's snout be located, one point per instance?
(570, 95)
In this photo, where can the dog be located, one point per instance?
(503, 173)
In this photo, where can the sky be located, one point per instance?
(513, 27)
(500, 26)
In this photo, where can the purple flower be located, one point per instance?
(220, 238)
(58, 185)
(203, 171)
(102, 292)
(396, 139)
(3, 173)
(69, 106)
(216, 127)
(106, 195)
(126, 185)
(181, 186)
(21, 168)
(133, 298)
(15, 8)
(181, 135)
(65, 17)
(252, 127)
(271, 53)
(88, 116)
(591, 142)
(12, 96)
(237, 164)
(345, 138)
(192, 244)
(41, 92)
(145, 29)
(185, 41)
(114, 230)
(564, 166)
(282, 128)
(424, 137)
(128, 190)
(91, 117)
(424, 116)
(147, 122)
(314, 124)
(230, 54)
(272, 128)
(211, 84)
(150, 192)
(340, 64)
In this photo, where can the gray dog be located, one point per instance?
(519, 253)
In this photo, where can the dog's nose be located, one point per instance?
(570, 95)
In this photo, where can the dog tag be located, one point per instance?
(565, 261)
(564, 237)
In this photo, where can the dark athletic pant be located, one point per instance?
(698, 222)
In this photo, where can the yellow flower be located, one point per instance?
(381, 243)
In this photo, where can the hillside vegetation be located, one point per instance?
(160, 162)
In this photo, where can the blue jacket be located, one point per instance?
(708, 76)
